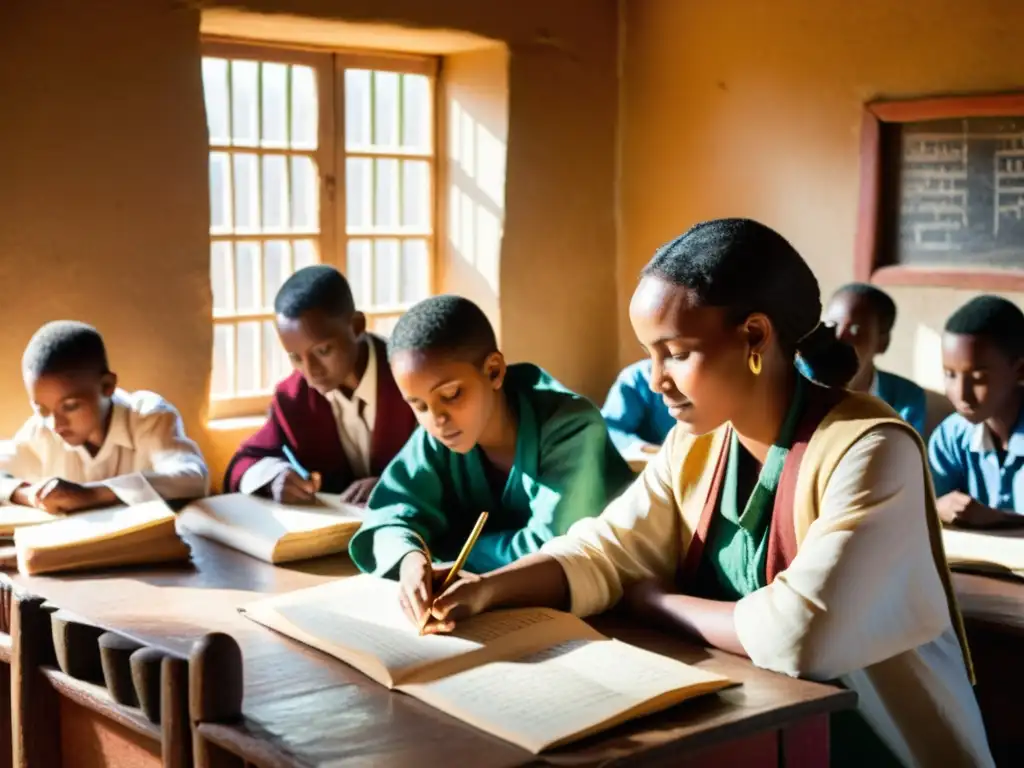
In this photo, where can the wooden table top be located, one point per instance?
(323, 713)
(996, 601)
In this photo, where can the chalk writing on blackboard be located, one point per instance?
(959, 193)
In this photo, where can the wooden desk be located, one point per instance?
(993, 610)
(307, 709)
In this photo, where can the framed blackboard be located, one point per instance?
(942, 193)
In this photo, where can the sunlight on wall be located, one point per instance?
(476, 194)
(927, 362)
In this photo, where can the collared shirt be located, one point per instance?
(356, 415)
(633, 412)
(964, 457)
(355, 418)
(145, 450)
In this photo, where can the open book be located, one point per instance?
(535, 677)
(15, 516)
(272, 532)
(1000, 552)
(139, 534)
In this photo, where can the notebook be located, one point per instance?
(272, 532)
(136, 535)
(985, 551)
(536, 677)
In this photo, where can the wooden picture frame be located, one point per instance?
(869, 259)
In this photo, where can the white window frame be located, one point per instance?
(330, 156)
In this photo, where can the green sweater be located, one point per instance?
(565, 468)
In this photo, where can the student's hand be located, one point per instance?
(359, 491)
(60, 497)
(24, 495)
(958, 508)
(416, 586)
(468, 596)
(289, 488)
(649, 448)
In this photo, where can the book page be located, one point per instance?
(93, 526)
(14, 516)
(360, 621)
(272, 521)
(1000, 551)
(565, 692)
(257, 526)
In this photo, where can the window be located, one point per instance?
(314, 157)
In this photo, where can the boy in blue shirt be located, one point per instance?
(976, 454)
(864, 317)
(636, 416)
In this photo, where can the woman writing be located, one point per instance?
(785, 521)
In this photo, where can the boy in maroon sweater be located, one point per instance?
(339, 412)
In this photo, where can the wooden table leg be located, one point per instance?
(805, 745)
(35, 705)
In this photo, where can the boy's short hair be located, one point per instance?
(447, 323)
(880, 302)
(993, 318)
(64, 346)
(317, 287)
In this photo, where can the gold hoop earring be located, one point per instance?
(754, 361)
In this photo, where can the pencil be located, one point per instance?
(300, 470)
(459, 562)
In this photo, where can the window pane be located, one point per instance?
(247, 276)
(247, 201)
(305, 195)
(358, 192)
(223, 360)
(304, 108)
(415, 275)
(244, 119)
(357, 108)
(220, 193)
(221, 279)
(275, 193)
(416, 113)
(385, 272)
(275, 269)
(385, 109)
(275, 105)
(304, 254)
(215, 91)
(275, 362)
(248, 360)
(357, 271)
(416, 194)
(385, 209)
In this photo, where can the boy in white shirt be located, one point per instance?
(90, 444)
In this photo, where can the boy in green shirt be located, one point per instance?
(506, 439)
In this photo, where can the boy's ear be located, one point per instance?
(358, 324)
(1019, 370)
(108, 383)
(494, 369)
(883, 342)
